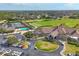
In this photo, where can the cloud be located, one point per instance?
(19, 4)
(70, 4)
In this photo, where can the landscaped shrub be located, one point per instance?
(12, 40)
(9, 31)
(73, 42)
(6, 31)
(77, 44)
(28, 34)
(77, 53)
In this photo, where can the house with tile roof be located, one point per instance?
(75, 35)
(43, 30)
(60, 31)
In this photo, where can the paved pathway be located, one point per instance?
(62, 51)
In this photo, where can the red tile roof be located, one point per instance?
(58, 30)
(75, 33)
(62, 29)
(46, 30)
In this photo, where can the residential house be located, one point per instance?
(58, 32)
(61, 30)
(75, 35)
(43, 30)
(6, 26)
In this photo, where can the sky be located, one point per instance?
(39, 6)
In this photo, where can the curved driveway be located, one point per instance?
(31, 51)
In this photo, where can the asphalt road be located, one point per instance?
(33, 52)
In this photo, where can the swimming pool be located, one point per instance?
(23, 29)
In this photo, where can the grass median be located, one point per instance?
(46, 46)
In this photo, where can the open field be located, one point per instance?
(70, 49)
(46, 46)
(54, 22)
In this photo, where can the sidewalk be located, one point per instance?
(62, 52)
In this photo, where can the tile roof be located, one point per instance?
(54, 33)
(58, 30)
(75, 33)
(44, 30)
(62, 29)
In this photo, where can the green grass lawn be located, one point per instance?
(52, 22)
(46, 46)
(70, 49)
